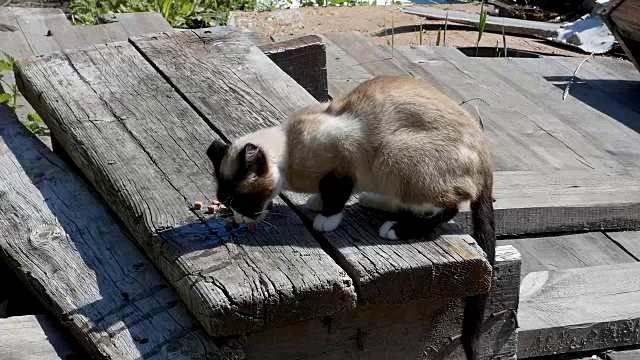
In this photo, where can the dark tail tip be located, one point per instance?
(484, 232)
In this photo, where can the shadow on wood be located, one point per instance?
(595, 93)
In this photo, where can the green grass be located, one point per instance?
(186, 14)
(481, 24)
(34, 122)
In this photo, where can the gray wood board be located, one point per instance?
(493, 23)
(614, 99)
(65, 245)
(31, 37)
(44, 29)
(629, 240)
(383, 271)
(581, 110)
(574, 310)
(523, 134)
(610, 77)
(417, 330)
(144, 149)
(529, 202)
(623, 355)
(34, 337)
(137, 23)
(567, 252)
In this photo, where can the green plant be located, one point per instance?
(438, 37)
(420, 33)
(188, 14)
(481, 25)
(504, 42)
(35, 123)
(393, 31)
(444, 35)
(11, 99)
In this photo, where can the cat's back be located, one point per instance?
(395, 103)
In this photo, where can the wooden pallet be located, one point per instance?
(280, 281)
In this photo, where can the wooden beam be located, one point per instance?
(530, 202)
(383, 271)
(144, 149)
(573, 310)
(32, 337)
(62, 241)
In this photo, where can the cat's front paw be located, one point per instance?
(314, 203)
(387, 230)
(323, 223)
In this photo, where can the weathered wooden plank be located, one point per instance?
(523, 133)
(629, 240)
(615, 86)
(45, 29)
(343, 71)
(144, 148)
(493, 23)
(304, 60)
(383, 271)
(559, 72)
(64, 244)
(580, 110)
(410, 331)
(623, 355)
(567, 252)
(141, 23)
(369, 56)
(34, 338)
(541, 202)
(575, 310)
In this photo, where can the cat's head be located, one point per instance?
(247, 181)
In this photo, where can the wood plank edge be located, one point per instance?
(560, 219)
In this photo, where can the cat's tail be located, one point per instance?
(484, 232)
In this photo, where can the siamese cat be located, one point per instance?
(401, 143)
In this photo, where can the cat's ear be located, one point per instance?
(216, 152)
(255, 160)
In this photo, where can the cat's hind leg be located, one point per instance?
(334, 192)
(411, 226)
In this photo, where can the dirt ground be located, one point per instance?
(373, 20)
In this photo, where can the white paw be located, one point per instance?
(324, 224)
(375, 201)
(386, 231)
(314, 203)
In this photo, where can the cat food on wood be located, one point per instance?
(197, 205)
(212, 209)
